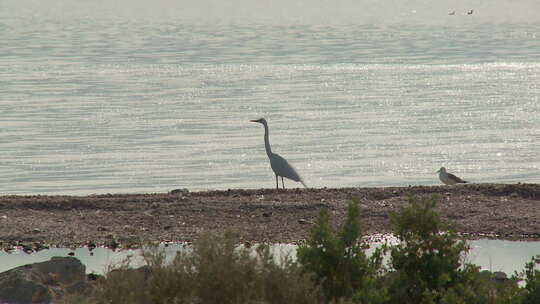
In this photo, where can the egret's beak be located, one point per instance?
(254, 120)
(438, 171)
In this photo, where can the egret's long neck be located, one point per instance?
(267, 141)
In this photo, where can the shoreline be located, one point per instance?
(494, 211)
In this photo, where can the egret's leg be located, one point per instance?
(282, 183)
(277, 183)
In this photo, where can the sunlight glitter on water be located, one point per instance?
(119, 100)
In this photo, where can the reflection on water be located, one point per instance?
(493, 255)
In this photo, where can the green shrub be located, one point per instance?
(337, 260)
(531, 293)
(216, 271)
(429, 262)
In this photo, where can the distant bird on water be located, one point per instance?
(280, 165)
(452, 13)
(449, 178)
(470, 12)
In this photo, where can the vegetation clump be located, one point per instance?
(427, 266)
(338, 262)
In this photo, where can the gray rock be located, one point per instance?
(42, 282)
(179, 191)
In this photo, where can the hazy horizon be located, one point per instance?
(285, 11)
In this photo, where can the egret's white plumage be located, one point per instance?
(449, 178)
(280, 165)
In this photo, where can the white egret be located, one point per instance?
(449, 178)
(280, 165)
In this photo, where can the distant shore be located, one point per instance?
(503, 211)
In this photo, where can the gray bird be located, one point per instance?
(280, 165)
(449, 178)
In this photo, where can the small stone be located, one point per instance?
(179, 191)
(71, 253)
(267, 214)
(40, 246)
(113, 244)
(36, 230)
(303, 222)
(28, 250)
(91, 246)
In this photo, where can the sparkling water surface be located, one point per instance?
(100, 97)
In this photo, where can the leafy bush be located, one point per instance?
(531, 276)
(216, 271)
(338, 262)
(428, 262)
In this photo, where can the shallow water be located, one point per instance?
(493, 255)
(133, 97)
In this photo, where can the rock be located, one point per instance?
(42, 282)
(79, 287)
(27, 249)
(112, 244)
(91, 246)
(179, 191)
